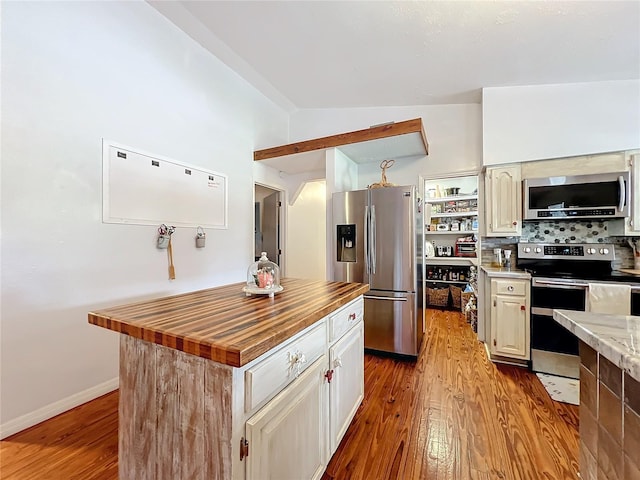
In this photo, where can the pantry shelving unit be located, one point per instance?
(452, 241)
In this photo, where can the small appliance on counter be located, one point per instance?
(444, 251)
(466, 247)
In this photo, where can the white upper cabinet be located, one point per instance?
(631, 224)
(503, 190)
(611, 162)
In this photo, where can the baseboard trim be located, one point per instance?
(45, 413)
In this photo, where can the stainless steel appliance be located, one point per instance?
(560, 276)
(580, 196)
(375, 241)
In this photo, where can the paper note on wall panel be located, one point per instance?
(144, 189)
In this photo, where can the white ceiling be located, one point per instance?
(333, 54)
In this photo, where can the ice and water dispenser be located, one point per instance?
(346, 241)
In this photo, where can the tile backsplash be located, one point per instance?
(562, 231)
(565, 231)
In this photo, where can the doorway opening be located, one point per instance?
(268, 219)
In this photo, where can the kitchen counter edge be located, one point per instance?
(505, 272)
(616, 337)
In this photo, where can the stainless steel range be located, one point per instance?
(560, 277)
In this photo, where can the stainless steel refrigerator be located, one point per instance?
(376, 241)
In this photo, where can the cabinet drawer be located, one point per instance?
(345, 318)
(508, 287)
(278, 369)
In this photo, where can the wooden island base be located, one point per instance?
(174, 415)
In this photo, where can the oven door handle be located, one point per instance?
(550, 283)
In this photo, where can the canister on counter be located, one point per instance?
(497, 257)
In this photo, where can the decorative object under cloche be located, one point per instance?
(263, 277)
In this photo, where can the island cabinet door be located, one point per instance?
(346, 389)
(287, 438)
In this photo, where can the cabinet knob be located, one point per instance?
(328, 375)
(510, 288)
(522, 307)
(352, 316)
(515, 223)
(296, 359)
(337, 362)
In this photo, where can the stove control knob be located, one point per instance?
(527, 249)
(538, 250)
(591, 251)
(604, 251)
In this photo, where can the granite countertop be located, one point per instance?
(225, 325)
(505, 272)
(616, 337)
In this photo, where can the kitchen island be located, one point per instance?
(216, 384)
(609, 393)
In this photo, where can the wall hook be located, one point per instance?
(200, 237)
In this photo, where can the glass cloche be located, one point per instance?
(263, 277)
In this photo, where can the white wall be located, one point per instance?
(306, 233)
(72, 74)
(553, 121)
(454, 133)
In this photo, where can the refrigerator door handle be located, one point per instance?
(389, 299)
(366, 239)
(373, 239)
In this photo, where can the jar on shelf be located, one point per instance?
(263, 277)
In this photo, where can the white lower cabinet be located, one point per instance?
(293, 433)
(287, 437)
(346, 389)
(510, 319)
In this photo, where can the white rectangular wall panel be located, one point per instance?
(144, 189)
(537, 122)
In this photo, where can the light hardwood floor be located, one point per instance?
(450, 415)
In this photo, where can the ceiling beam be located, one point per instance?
(372, 133)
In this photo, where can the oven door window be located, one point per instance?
(635, 303)
(549, 335)
(560, 298)
(546, 333)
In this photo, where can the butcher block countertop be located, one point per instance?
(223, 324)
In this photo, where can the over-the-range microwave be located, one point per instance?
(603, 195)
